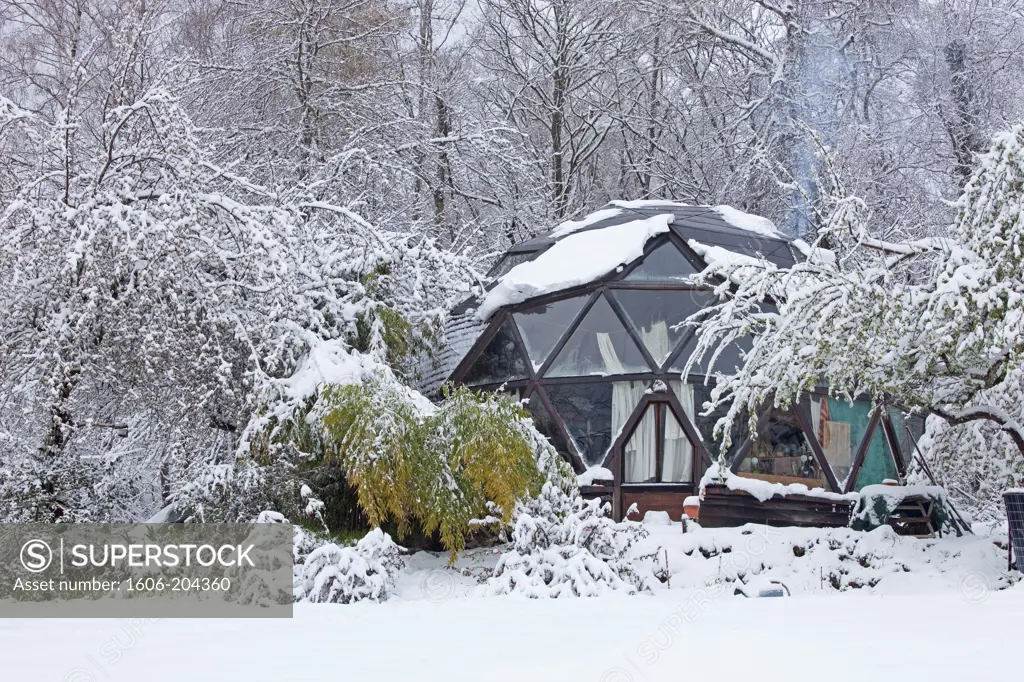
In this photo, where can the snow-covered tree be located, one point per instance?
(148, 280)
(934, 324)
(447, 468)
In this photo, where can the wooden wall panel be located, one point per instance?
(670, 501)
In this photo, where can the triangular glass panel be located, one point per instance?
(878, 462)
(586, 410)
(657, 316)
(728, 361)
(541, 327)
(839, 428)
(599, 345)
(546, 426)
(782, 454)
(664, 264)
(501, 361)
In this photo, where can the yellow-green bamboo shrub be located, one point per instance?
(444, 466)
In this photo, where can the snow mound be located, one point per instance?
(817, 561)
(654, 517)
(577, 259)
(748, 221)
(594, 474)
(271, 517)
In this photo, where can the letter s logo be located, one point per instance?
(36, 556)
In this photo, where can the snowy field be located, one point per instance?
(938, 610)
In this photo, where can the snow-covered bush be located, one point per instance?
(456, 469)
(303, 542)
(441, 467)
(563, 545)
(257, 587)
(822, 560)
(327, 572)
(342, 575)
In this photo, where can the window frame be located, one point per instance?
(616, 461)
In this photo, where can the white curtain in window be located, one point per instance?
(639, 451)
(678, 459)
(606, 347)
(656, 339)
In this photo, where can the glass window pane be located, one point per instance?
(677, 457)
(541, 327)
(665, 263)
(909, 428)
(839, 427)
(545, 425)
(656, 316)
(586, 411)
(727, 362)
(500, 361)
(706, 424)
(600, 345)
(641, 450)
(878, 463)
(782, 454)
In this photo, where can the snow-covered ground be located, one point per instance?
(938, 610)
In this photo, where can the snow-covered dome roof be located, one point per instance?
(577, 252)
(629, 245)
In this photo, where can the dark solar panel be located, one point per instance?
(1015, 519)
(538, 242)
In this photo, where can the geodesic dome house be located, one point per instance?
(583, 323)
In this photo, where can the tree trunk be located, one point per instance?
(962, 120)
